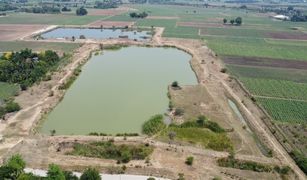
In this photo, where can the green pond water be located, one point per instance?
(119, 90)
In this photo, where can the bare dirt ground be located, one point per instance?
(109, 12)
(162, 17)
(285, 35)
(167, 160)
(10, 32)
(110, 24)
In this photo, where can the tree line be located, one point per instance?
(238, 21)
(14, 167)
(138, 15)
(26, 67)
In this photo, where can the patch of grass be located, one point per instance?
(8, 90)
(201, 136)
(108, 150)
(201, 122)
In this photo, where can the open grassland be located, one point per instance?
(199, 136)
(37, 46)
(276, 88)
(7, 90)
(285, 110)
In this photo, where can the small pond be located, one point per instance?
(119, 90)
(97, 33)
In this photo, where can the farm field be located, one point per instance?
(52, 19)
(37, 46)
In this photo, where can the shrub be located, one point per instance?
(223, 70)
(175, 84)
(90, 174)
(300, 159)
(189, 160)
(54, 172)
(178, 112)
(153, 125)
(70, 176)
(12, 107)
(81, 11)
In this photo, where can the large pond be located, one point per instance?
(119, 90)
(96, 33)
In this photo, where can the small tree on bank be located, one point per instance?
(224, 21)
(81, 11)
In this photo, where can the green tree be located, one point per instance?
(16, 162)
(238, 21)
(126, 157)
(232, 21)
(55, 173)
(90, 174)
(175, 84)
(224, 21)
(12, 168)
(201, 120)
(70, 176)
(81, 11)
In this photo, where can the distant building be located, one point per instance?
(281, 17)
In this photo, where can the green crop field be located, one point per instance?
(276, 88)
(285, 110)
(37, 46)
(294, 75)
(255, 47)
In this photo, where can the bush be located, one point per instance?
(55, 173)
(178, 112)
(12, 107)
(90, 174)
(175, 84)
(300, 159)
(223, 70)
(153, 125)
(70, 176)
(243, 165)
(81, 11)
(189, 160)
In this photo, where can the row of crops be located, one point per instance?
(276, 88)
(285, 110)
